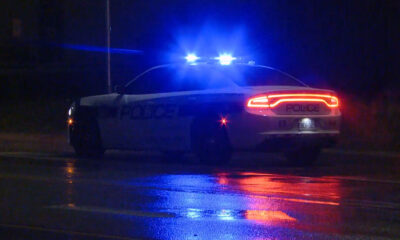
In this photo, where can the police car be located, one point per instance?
(211, 109)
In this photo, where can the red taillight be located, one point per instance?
(258, 102)
(273, 100)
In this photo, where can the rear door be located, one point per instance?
(162, 103)
(150, 114)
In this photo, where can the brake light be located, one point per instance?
(261, 102)
(273, 100)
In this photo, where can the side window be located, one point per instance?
(155, 81)
(171, 79)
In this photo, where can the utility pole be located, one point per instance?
(108, 29)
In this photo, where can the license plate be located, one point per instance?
(306, 124)
(299, 108)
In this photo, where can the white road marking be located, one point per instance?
(113, 211)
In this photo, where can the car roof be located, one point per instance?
(214, 65)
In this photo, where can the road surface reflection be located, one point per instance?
(234, 203)
(69, 176)
(283, 199)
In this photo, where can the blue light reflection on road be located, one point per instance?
(201, 202)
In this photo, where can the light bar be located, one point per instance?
(225, 59)
(191, 58)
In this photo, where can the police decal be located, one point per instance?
(156, 111)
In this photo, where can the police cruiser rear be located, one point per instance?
(209, 109)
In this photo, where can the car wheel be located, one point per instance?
(211, 142)
(88, 143)
(304, 156)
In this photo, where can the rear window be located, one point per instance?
(176, 79)
(259, 76)
(202, 77)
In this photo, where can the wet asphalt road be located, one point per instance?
(139, 196)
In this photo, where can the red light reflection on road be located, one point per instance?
(222, 178)
(278, 199)
(268, 216)
(69, 176)
(300, 189)
(306, 201)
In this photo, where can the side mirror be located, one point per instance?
(119, 89)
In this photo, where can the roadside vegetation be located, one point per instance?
(371, 125)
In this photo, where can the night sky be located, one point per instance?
(350, 46)
(342, 44)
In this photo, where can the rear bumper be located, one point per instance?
(280, 143)
(276, 133)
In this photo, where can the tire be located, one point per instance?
(210, 142)
(304, 156)
(88, 142)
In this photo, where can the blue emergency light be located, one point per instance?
(225, 59)
(191, 58)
